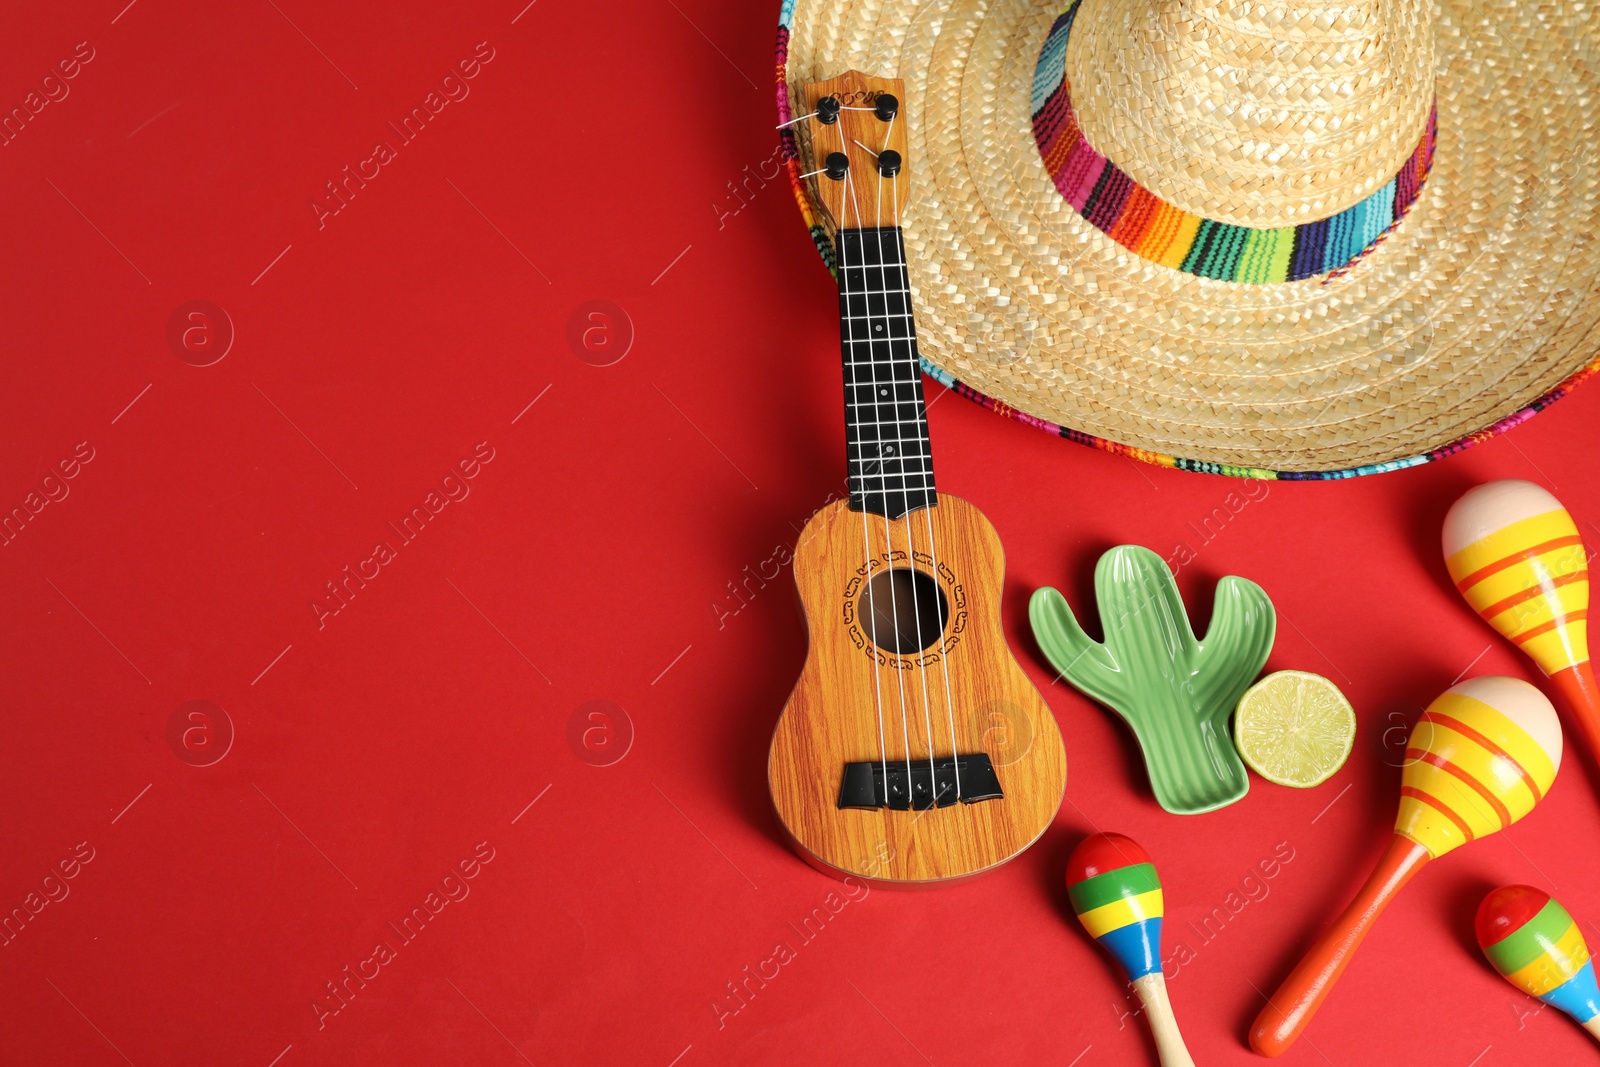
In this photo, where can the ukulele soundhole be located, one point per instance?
(903, 610)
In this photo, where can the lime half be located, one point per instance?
(1294, 728)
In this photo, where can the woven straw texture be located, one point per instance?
(1474, 312)
(1257, 113)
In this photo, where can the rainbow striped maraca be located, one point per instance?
(1479, 759)
(1116, 894)
(1515, 554)
(1535, 945)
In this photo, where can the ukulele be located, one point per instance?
(913, 749)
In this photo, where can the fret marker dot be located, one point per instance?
(883, 392)
(878, 327)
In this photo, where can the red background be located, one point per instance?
(590, 161)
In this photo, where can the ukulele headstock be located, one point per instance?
(858, 149)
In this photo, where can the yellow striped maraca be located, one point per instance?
(1516, 555)
(1479, 759)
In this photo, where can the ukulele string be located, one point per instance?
(861, 481)
(927, 465)
(933, 548)
(905, 489)
(883, 489)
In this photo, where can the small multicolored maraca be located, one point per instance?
(1515, 553)
(1535, 945)
(1479, 759)
(1116, 894)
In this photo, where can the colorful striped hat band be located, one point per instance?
(1147, 225)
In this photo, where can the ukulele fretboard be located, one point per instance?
(886, 422)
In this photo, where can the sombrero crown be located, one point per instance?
(1219, 229)
(1262, 114)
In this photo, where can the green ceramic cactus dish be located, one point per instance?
(1176, 692)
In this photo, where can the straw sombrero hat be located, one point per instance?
(1281, 238)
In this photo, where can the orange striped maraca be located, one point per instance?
(1515, 554)
(1479, 759)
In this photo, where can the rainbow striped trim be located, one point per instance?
(824, 243)
(1153, 229)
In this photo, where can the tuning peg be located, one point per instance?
(828, 110)
(885, 107)
(888, 163)
(837, 165)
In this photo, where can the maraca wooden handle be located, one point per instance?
(1152, 990)
(1297, 999)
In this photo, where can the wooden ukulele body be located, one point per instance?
(965, 684)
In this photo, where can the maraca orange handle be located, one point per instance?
(1578, 690)
(1297, 999)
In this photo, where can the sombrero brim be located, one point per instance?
(1475, 313)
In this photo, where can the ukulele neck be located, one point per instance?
(886, 418)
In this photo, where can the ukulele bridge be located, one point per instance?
(919, 784)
